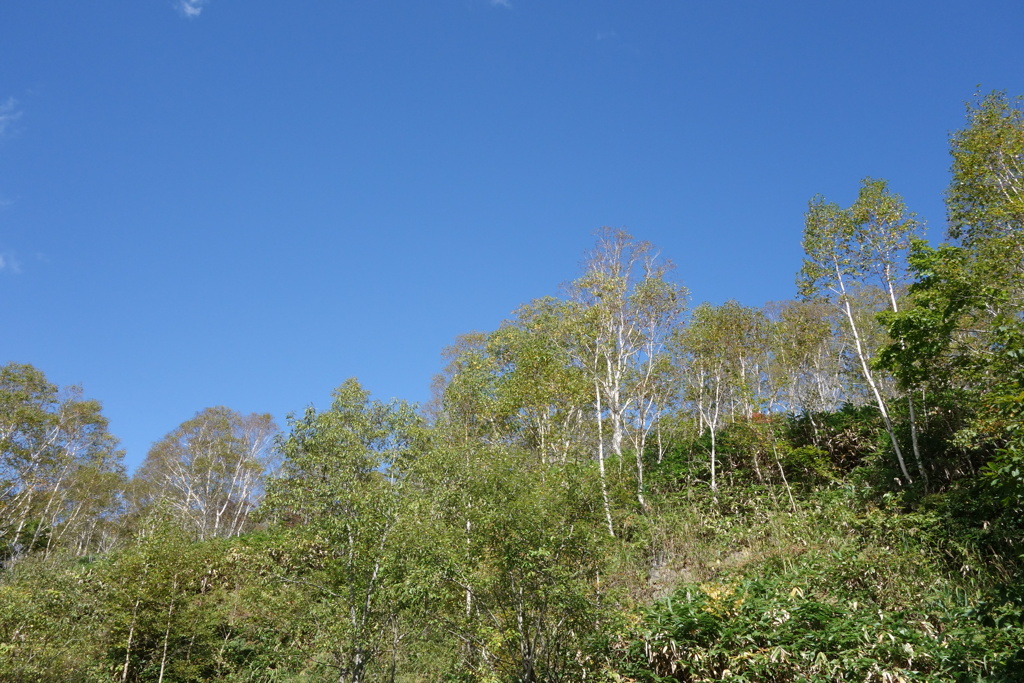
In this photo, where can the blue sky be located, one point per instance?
(244, 202)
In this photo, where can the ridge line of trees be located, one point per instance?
(484, 538)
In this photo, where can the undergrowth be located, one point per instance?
(842, 586)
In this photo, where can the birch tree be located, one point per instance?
(807, 357)
(539, 388)
(721, 355)
(625, 305)
(961, 335)
(60, 469)
(985, 199)
(210, 470)
(849, 249)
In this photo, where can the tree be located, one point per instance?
(722, 353)
(985, 202)
(210, 470)
(806, 357)
(850, 249)
(962, 337)
(544, 394)
(516, 385)
(985, 199)
(600, 355)
(623, 309)
(509, 559)
(60, 469)
(342, 478)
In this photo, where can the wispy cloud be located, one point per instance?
(501, 3)
(191, 8)
(606, 35)
(9, 113)
(9, 264)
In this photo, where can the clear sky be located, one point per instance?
(244, 202)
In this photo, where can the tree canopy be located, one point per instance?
(611, 485)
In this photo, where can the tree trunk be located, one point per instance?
(869, 378)
(600, 461)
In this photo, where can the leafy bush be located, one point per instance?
(824, 620)
(808, 464)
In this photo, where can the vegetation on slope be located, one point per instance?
(609, 487)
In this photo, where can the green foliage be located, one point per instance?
(771, 630)
(604, 492)
(1005, 471)
(961, 340)
(165, 608)
(60, 471)
(864, 602)
(337, 459)
(516, 583)
(208, 472)
(846, 437)
(984, 198)
(45, 624)
(343, 477)
(808, 464)
(771, 450)
(862, 244)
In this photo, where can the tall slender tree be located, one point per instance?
(962, 337)
(850, 249)
(625, 306)
(722, 355)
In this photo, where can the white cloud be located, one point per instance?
(9, 113)
(9, 264)
(191, 8)
(501, 3)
